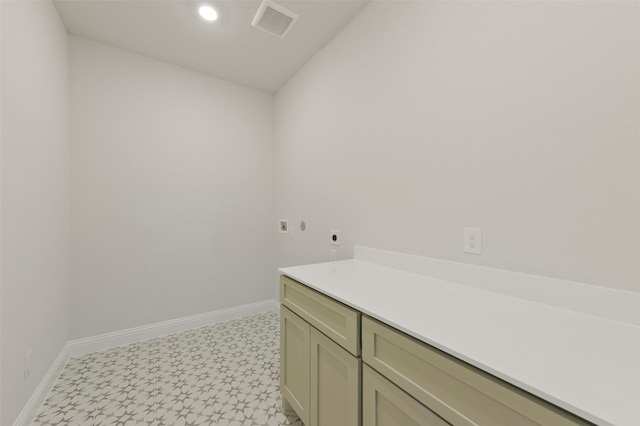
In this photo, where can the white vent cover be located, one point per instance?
(274, 19)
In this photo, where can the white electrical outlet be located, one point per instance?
(332, 255)
(27, 365)
(334, 237)
(473, 240)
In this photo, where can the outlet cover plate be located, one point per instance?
(332, 255)
(473, 240)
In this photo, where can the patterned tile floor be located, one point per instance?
(225, 374)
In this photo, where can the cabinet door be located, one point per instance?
(294, 362)
(385, 404)
(335, 384)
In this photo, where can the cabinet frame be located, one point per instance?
(336, 320)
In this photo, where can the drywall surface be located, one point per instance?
(35, 197)
(0, 212)
(172, 191)
(422, 118)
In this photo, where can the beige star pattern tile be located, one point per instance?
(223, 375)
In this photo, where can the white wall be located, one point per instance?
(35, 196)
(422, 118)
(172, 191)
(0, 212)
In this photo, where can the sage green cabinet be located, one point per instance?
(320, 372)
(335, 384)
(385, 404)
(295, 345)
(334, 319)
(399, 381)
(458, 392)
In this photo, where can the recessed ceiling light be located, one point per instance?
(208, 13)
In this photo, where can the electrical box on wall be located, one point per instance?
(334, 237)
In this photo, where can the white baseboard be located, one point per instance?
(30, 410)
(124, 337)
(105, 341)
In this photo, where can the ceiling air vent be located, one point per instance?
(274, 19)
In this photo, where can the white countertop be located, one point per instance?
(586, 364)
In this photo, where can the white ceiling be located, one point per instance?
(230, 48)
